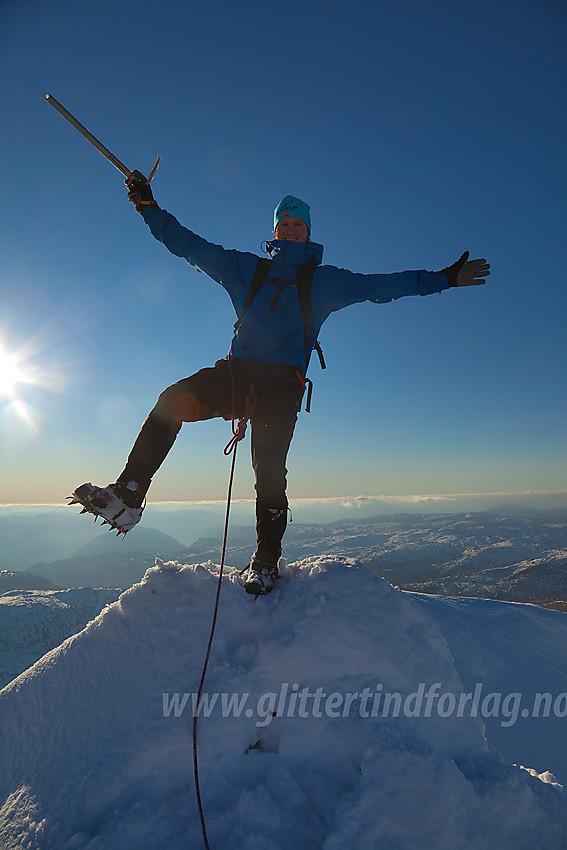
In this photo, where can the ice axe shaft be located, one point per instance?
(93, 140)
(87, 135)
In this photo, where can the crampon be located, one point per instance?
(260, 578)
(111, 504)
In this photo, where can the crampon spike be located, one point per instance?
(85, 511)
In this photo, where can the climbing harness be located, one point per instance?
(238, 434)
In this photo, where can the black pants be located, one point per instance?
(228, 389)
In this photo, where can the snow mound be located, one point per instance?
(296, 749)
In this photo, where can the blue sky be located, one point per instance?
(414, 130)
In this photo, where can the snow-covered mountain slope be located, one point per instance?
(330, 724)
(34, 621)
(518, 651)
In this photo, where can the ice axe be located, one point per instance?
(94, 141)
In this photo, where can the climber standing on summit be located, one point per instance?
(281, 304)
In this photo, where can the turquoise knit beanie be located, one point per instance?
(290, 206)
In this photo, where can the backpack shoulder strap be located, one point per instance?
(258, 281)
(303, 282)
(304, 278)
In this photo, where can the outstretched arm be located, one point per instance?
(465, 272)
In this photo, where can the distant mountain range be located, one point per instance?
(32, 534)
(12, 580)
(103, 563)
(45, 534)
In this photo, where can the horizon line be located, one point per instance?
(415, 498)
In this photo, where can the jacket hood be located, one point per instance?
(295, 253)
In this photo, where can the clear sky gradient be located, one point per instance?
(415, 130)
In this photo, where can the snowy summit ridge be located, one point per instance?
(297, 750)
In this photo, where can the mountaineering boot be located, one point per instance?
(119, 504)
(260, 578)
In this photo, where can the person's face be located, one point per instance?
(292, 229)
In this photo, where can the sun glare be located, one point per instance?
(10, 374)
(23, 383)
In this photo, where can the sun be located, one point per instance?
(10, 374)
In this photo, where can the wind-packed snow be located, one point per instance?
(298, 751)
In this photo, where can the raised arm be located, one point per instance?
(232, 269)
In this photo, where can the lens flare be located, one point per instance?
(24, 418)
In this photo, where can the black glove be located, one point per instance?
(467, 272)
(139, 191)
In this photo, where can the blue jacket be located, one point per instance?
(278, 336)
